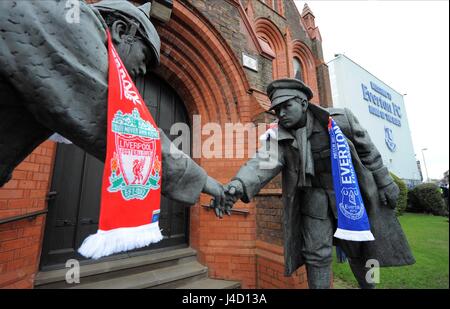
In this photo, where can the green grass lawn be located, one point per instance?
(428, 237)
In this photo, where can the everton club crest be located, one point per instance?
(389, 139)
(135, 166)
(350, 204)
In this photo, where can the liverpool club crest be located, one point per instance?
(135, 166)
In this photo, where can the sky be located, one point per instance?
(406, 45)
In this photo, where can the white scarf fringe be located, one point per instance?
(354, 235)
(105, 243)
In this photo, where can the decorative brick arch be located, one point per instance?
(201, 67)
(269, 32)
(301, 51)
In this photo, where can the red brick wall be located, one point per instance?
(270, 268)
(226, 246)
(20, 241)
(270, 241)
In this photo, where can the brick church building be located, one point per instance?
(217, 57)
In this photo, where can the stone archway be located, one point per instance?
(197, 62)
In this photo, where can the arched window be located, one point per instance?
(304, 66)
(270, 35)
(298, 72)
(276, 5)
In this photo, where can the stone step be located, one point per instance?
(127, 264)
(157, 278)
(208, 283)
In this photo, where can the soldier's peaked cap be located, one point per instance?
(140, 14)
(282, 90)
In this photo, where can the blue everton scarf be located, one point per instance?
(353, 223)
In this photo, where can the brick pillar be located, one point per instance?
(21, 241)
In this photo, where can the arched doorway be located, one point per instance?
(77, 177)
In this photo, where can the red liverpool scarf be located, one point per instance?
(131, 192)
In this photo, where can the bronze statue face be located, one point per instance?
(292, 113)
(137, 60)
(133, 51)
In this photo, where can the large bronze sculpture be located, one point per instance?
(301, 152)
(53, 78)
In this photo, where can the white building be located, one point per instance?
(381, 111)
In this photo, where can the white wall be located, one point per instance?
(346, 79)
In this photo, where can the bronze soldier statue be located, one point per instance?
(300, 150)
(53, 78)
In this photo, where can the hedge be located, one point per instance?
(426, 198)
(402, 200)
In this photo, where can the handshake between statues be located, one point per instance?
(224, 196)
